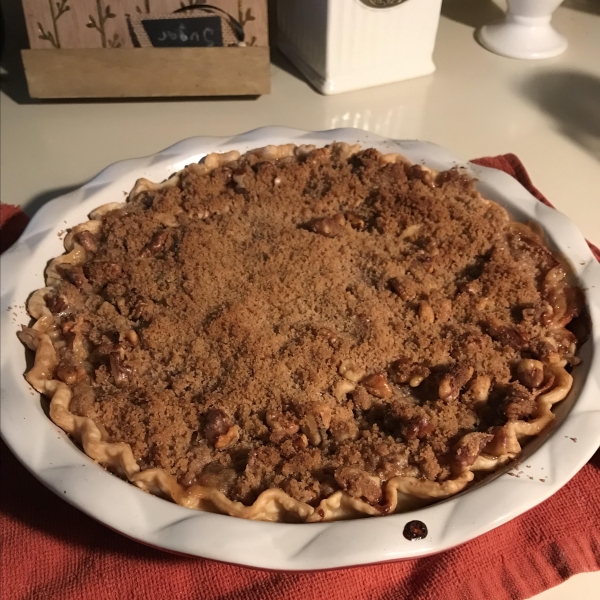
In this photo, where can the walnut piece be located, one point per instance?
(156, 244)
(519, 402)
(316, 422)
(87, 240)
(56, 304)
(120, 371)
(217, 424)
(132, 337)
(281, 425)
(355, 221)
(342, 388)
(480, 387)
(350, 372)
(142, 309)
(377, 385)
(530, 372)
(71, 374)
(215, 475)
(507, 336)
(230, 437)
(328, 226)
(418, 427)
(73, 274)
(468, 449)
(421, 174)
(453, 381)
(404, 371)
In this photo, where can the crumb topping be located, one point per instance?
(312, 324)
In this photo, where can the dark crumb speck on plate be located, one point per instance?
(415, 530)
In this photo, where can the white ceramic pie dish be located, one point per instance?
(545, 465)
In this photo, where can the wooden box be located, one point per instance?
(146, 48)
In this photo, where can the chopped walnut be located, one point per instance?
(56, 304)
(71, 374)
(156, 244)
(377, 385)
(355, 221)
(419, 375)
(350, 372)
(227, 439)
(121, 372)
(404, 371)
(281, 425)
(215, 475)
(142, 309)
(453, 381)
(300, 442)
(87, 240)
(530, 372)
(316, 422)
(507, 336)
(502, 443)
(518, 402)
(132, 337)
(421, 174)
(418, 427)
(217, 424)
(480, 387)
(342, 388)
(468, 449)
(310, 428)
(328, 226)
(73, 274)
(565, 340)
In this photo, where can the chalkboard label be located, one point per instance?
(185, 32)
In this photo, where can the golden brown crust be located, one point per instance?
(399, 492)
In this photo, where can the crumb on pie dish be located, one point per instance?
(304, 334)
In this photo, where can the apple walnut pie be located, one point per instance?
(304, 334)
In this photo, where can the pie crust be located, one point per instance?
(399, 493)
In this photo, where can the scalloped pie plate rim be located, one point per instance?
(547, 463)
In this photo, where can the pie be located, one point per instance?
(304, 334)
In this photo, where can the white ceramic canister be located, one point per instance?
(343, 45)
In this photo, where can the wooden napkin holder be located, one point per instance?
(146, 48)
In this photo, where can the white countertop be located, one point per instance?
(476, 104)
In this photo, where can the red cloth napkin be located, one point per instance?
(50, 550)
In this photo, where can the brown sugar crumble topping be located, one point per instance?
(315, 323)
